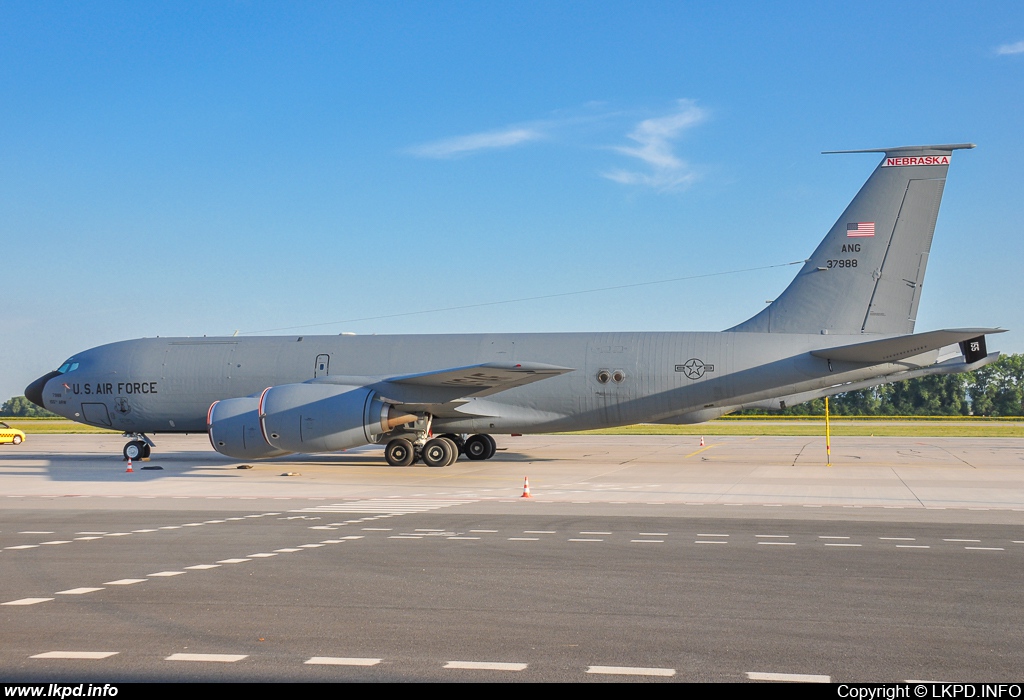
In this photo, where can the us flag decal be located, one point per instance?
(863, 229)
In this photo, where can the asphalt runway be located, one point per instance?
(638, 558)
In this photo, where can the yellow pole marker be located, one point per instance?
(828, 438)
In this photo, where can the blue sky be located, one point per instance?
(201, 168)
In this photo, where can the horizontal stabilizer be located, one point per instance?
(940, 147)
(877, 352)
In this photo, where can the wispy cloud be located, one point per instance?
(652, 141)
(482, 141)
(655, 139)
(1010, 49)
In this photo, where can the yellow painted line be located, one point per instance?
(707, 447)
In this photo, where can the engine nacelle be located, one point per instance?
(325, 417)
(234, 428)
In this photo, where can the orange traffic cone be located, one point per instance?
(526, 488)
(702, 441)
(129, 470)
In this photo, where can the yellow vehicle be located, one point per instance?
(9, 434)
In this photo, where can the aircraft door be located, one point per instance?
(322, 366)
(95, 413)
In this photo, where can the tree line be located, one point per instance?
(994, 390)
(20, 407)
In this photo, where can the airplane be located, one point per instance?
(845, 322)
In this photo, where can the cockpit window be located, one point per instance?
(68, 367)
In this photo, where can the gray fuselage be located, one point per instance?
(155, 385)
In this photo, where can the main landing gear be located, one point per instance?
(440, 451)
(138, 448)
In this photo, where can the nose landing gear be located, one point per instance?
(138, 448)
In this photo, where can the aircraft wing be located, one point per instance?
(482, 380)
(429, 390)
(901, 347)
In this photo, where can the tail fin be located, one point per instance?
(866, 275)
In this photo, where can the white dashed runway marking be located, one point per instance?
(341, 661)
(219, 658)
(165, 574)
(27, 601)
(78, 591)
(486, 666)
(74, 655)
(392, 506)
(631, 671)
(788, 677)
(124, 581)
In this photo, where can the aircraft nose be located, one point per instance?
(34, 391)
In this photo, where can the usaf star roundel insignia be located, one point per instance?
(693, 368)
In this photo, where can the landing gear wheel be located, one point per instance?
(134, 449)
(437, 452)
(480, 447)
(399, 453)
(460, 444)
(455, 449)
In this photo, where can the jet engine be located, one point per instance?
(325, 417)
(234, 427)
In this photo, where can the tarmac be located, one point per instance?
(636, 558)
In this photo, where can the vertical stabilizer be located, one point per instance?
(866, 275)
